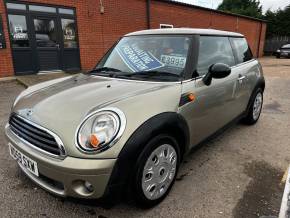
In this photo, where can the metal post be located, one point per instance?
(148, 10)
(285, 207)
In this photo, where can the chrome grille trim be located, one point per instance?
(37, 137)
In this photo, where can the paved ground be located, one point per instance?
(236, 175)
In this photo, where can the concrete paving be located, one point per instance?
(238, 174)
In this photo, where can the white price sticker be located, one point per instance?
(173, 61)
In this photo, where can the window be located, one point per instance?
(213, 50)
(69, 33)
(45, 33)
(42, 8)
(18, 31)
(2, 37)
(137, 54)
(166, 26)
(66, 11)
(16, 6)
(286, 46)
(242, 50)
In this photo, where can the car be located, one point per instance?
(284, 51)
(125, 126)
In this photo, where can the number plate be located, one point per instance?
(25, 161)
(173, 61)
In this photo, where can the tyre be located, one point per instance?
(255, 108)
(278, 56)
(156, 170)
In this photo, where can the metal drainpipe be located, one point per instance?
(260, 36)
(148, 4)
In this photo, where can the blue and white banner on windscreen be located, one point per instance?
(137, 59)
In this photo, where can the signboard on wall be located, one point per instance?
(2, 37)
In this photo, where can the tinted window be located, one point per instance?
(242, 49)
(286, 46)
(42, 8)
(214, 50)
(45, 33)
(18, 31)
(69, 33)
(66, 11)
(146, 53)
(16, 6)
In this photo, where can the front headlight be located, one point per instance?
(100, 130)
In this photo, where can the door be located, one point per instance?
(70, 46)
(247, 69)
(47, 42)
(213, 105)
(43, 38)
(21, 43)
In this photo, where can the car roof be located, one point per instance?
(185, 31)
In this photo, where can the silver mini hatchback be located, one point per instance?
(128, 123)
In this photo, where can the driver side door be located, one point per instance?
(212, 107)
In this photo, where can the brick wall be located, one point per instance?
(98, 32)
(6, 65)
(183, 16)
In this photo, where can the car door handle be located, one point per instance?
(241, 78)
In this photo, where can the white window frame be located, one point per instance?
(164, 26)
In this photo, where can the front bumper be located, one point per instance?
(66, 177)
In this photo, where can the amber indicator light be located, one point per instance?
(94, 141)
(191, 97)
(186, 98)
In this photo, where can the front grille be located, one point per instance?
(34, 135)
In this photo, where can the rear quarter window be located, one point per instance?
(213, 50)
(242, 50)
(286, 46)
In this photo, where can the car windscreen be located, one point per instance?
(286, 46)
(150, 57)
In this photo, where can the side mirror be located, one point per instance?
(216, 71)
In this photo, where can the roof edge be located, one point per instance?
(212, 10)
(191, 31)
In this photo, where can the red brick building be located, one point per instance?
(44, 35)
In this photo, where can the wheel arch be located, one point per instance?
(169, 122)
(259, 85)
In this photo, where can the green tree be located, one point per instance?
(250, 8)
(278, 22)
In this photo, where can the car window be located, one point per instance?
(149, 53)
(213, 50)
(242, 50)
(286, 46)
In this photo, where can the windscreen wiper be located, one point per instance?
(151, 73)
(112, 72)
(104, 69)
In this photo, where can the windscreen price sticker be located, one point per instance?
(137, 59)
(173, 61)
